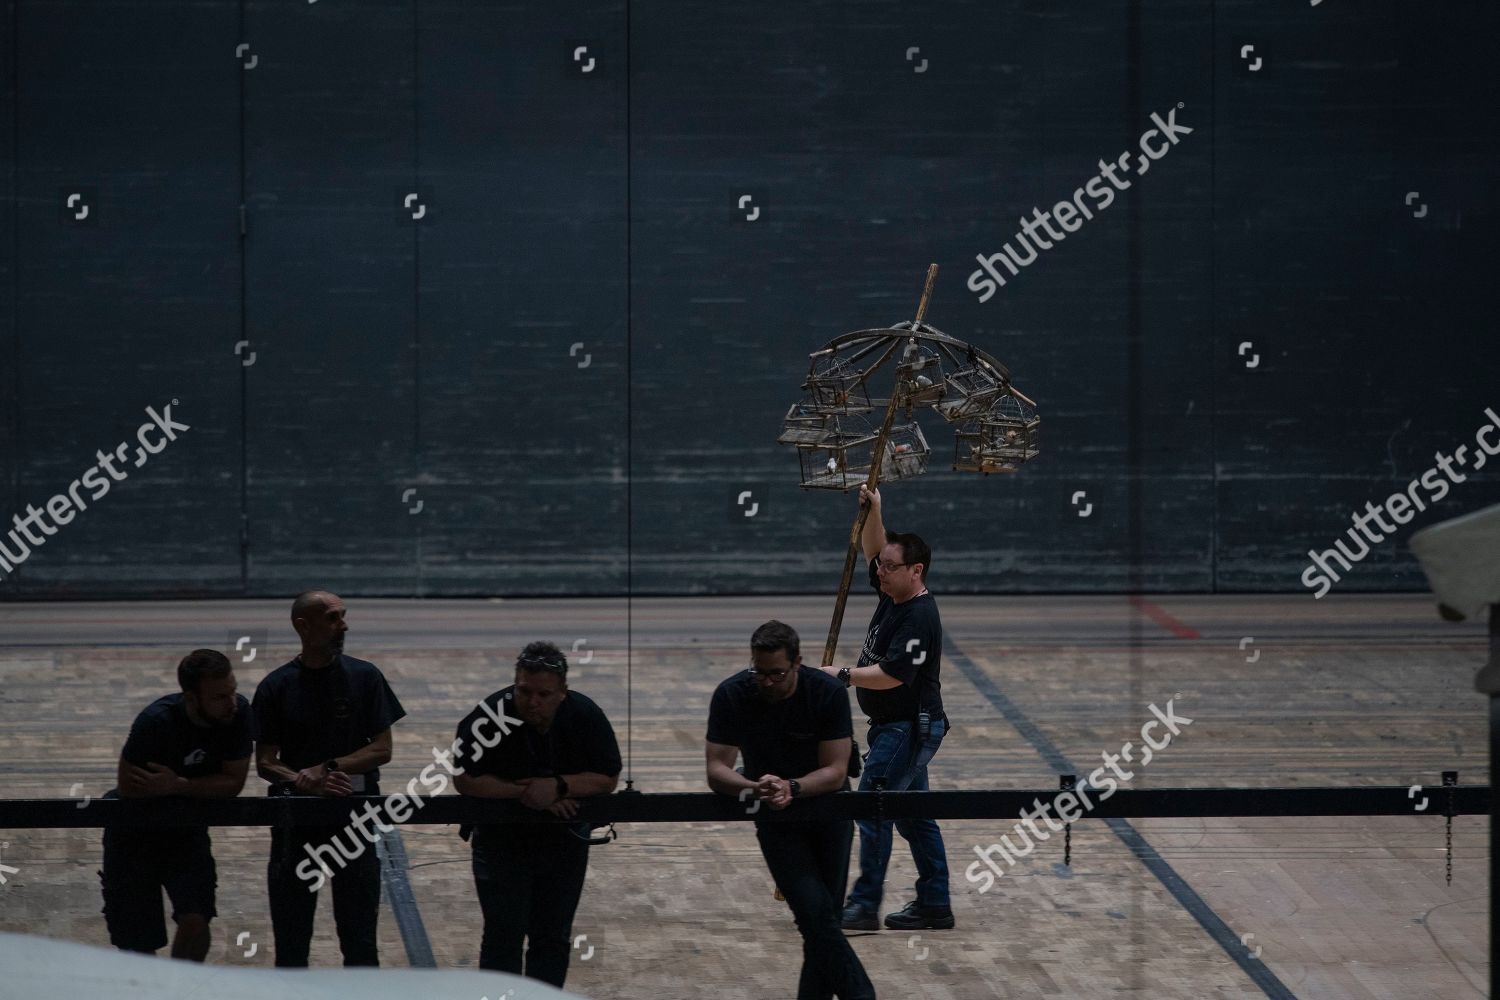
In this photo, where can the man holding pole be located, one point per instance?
(898, 688)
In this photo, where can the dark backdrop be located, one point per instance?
(559, 378)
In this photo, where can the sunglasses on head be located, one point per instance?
(537, 663)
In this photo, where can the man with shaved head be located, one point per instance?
(325, 729)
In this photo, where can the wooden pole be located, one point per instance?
(852, 554)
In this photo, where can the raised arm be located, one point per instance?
(873, 538)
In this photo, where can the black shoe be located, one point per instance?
(857, 918)
(915, 917)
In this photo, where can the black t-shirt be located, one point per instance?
(163, 734)
(890, 643)
(317, 715)
(580, 739)
(780, 737)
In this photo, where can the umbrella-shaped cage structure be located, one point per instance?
(845, 435)
(835, 427)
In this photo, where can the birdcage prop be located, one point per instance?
(971, 393)
(1006, 436)
(837, 436)
(837, 385)
(996, 426)
(841, 460)
(923, 383)
(906, 453)
(804, 424)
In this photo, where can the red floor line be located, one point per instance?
(1166, 621)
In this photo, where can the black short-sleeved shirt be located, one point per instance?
(580, 739)
(163, 734)
(780, 737)
(317, 715)
(892, 630)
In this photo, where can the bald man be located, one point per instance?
(325, 728)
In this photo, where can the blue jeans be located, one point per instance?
(898, 764)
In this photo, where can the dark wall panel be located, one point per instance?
(330, 280)
(558, 367)
(522, 322)
(1369, 322)
(128, 299)
(868, 170)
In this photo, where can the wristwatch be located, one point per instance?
(844, 675)
(794, 784)
(562, 786)
(331, 764)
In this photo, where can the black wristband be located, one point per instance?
(562, 786)
(794, 784)
(844, 675)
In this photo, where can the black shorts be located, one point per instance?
(138, 865)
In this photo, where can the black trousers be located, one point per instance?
(528, 889)
(356, 896)
(810, 863)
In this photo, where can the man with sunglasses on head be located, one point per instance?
(898, 688)
(792, 725)
(558, 747)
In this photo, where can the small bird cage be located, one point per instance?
(971, 392)
(923, 383)
(836, 386)
(840, 460)
(1000, 440)
(906, 453)
(803, 425)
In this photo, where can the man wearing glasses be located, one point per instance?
(898, 688)
(529, 877)
(793, 726)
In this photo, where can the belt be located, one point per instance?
(887, 722)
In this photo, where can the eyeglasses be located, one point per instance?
(768, 675)
(888, 567)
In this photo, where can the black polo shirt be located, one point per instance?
(893, 628)
(580, 739)
(317, 715)
(163, 734)
(779, 737)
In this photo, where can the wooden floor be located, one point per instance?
(1348, 690)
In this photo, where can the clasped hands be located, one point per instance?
(318, 780)
(541, 793)
(773, 791)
